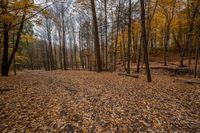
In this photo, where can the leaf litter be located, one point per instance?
(89, 102)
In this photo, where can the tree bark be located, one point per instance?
(14, 61)
(112, 44)
(96, 37)
(63, 41)
(102, 48)
(129, 38)
(4, 67)
(144, 39)
(166, 42)
(55, 58)
(197, 53)
(60, 48)
(139, 56)
(124, 49)
(116, 41)
(51, 58)
(106, 30)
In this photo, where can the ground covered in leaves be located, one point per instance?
(89, 102)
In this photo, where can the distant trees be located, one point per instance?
(192, 10)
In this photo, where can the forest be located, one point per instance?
(100, 66)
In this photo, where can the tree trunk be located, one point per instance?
(166, 42)
(72, 56)
(96, 37)
(43, 57)
(197, 52)
(63, 41)
(60, 48)
(177, 42)
(105, 6)
(145, 40)
(112, 44)
(129, 39)
(124, 49)
(190, 42)
(134, 40)
(102, 48)
(116, 42)
(75, 55)
(14, 61)
(51, 51)
(74, 48)
(5, 66)
(55, 58)
(81, 51)
(139, 56)
(47, 55)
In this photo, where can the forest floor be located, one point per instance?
(89, 102)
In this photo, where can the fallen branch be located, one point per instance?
(6, 89)
(187, 81)
(129, 75)
(191, 82)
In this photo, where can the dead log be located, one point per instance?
(187, 81)
(1, 90)
(129, 75)
(191, 82)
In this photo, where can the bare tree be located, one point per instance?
(144, 40)
(129, 37)
(96, 37)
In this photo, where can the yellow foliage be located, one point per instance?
(28, 38)
(6, 18)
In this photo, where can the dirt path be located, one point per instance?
(78, 101)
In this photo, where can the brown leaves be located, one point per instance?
(79, 101)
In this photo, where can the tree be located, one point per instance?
(144, 40)
(117, 34)
(4, 68)
(129, 37)
(7, 61)
(197, 52)
(106, 30)
(96, 37)
(168, 10)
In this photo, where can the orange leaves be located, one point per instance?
(19, 4)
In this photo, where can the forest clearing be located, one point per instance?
(100, 66)
(86, 102)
